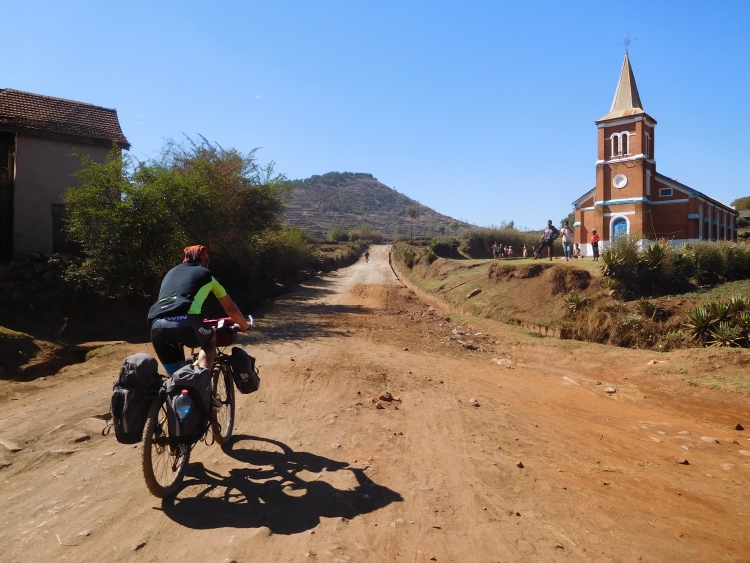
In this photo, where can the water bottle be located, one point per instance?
(183, 404)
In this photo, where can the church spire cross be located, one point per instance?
(627, 41)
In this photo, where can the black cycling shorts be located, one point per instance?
(169, 335)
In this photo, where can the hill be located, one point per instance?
(351, 199)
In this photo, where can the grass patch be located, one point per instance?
(735, 383)
(721, 291)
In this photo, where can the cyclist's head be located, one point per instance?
(196, 255)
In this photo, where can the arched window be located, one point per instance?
(619, 228)
(615, 140)
(620, 143)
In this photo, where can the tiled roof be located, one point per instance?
(65, 117)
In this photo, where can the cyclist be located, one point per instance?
(176, 319)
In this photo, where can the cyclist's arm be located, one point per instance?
(233, 311)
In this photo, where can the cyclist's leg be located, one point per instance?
(207, 354)
(167, 346)
(205, 338)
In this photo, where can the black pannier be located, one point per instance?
(244, 372)
(132, 394)
(197, 381)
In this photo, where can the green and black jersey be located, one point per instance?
(183, 291)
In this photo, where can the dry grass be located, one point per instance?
(736, 383)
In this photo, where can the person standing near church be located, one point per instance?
(595, 244)
(567, 240)
(549, 236)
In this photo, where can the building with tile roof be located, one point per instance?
(630, 196)
(38, 136)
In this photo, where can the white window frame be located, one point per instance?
(612, 225)
(617, 145)
(662, 192)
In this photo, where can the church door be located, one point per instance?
(619, 228)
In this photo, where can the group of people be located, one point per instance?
(549, 236)
(502, 251)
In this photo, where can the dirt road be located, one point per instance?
(548, 467)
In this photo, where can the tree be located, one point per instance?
(741, 204)
(442, 230)
(454, 226)
(431, 229)
(133, 221)
(411, 211)
(571, 219)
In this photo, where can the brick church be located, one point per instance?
(630, 196)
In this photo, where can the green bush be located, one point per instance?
(709, 262)
(132, 221)
(657, 270)
(337, 234)
(287, 250)
(721, 323)
(478, 242)
(367, 234)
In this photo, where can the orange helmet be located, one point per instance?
(194, 254)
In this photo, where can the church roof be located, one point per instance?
(627, 102)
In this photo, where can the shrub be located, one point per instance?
(478, 242)
(336, 233)
(288, 250)
(656, 269)
(132, 221)
(709, 262)
(721, 323)
(366, 233)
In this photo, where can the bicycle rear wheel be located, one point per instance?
(222, 387)
(163, 465)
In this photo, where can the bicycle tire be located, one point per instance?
(163, 465)
(222, 392)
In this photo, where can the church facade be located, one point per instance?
(630, 196)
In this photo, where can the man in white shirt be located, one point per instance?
(567, 240)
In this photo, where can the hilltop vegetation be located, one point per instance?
(348, 200)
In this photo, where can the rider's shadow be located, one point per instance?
(272, 493)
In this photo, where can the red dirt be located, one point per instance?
(317, 472)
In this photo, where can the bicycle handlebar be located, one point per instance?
(227, 322)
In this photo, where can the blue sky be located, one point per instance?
(482, 110)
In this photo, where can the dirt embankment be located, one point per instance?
(529, 294)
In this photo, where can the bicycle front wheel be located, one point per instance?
(163, 465)
(222, 423)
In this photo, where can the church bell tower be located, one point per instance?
(625, 163)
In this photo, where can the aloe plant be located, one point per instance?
(653, 255)
(575, 301)
(726, 335)
(719, 311)
(699, 322)
(646, 308)
(738, 304)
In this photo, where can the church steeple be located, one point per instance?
(627, 102)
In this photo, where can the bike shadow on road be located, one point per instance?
(271, 491)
